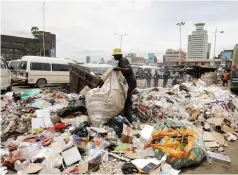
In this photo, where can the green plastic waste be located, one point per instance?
(30, 93)
(122, 147)
(198, 150)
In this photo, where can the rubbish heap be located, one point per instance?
(52, 132)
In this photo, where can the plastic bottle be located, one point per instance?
(112, 135)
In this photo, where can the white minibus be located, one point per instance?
(40, 71)
(5, 75)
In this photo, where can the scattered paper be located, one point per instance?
(71, 156)
(146, 132)
(37, 123)
(168, 170)
(83, 167)
(45, 114)
(207, 136)
(212, 144)
(32, 168)
(218, 137)
(227, 129)
(146, 165)
(215, 121)
(218, 156)
(231, 137)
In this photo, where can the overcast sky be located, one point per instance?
(88, 27)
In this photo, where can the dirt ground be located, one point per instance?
(218, 167)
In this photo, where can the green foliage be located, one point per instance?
(33, 49)
(34, 30)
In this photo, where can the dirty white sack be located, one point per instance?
(108, 101)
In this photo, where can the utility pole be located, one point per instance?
(121, 35)
(216, 40)
(44, 27)
(180, 42)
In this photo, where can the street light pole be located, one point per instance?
(121, 35)
(44, 27)
(216, 40)
(180, 41)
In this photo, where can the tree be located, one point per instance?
(33, 48)
(102, 61)
(35, 31)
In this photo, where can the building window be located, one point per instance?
(40, 66)
(60, 67)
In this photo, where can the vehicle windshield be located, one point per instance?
(23, 65)
(15, 65)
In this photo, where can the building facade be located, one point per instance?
(50, 43)
(171, 57)
(14, 47)
(198, 46)
(133, 59)
(88, 59)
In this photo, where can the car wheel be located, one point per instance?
(9, 88)
(41, 83)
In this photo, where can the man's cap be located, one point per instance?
(116, 51)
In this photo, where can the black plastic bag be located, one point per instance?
(129, 168)
(74, 106)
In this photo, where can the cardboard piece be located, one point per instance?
(71, 156)
(207, 126)
(215, 121)
(127, 134)
(32, 168)
(45, 114)
(146, 132)
(219, 157)
(207, 137)
(218, 137)
(212, 144)
(156, 171)
(83, 167)
(37, 123)
(132, 155)
(227, 129)
(146, 165)
(99, 130)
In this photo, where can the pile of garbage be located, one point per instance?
(211, 109)
(51, 132)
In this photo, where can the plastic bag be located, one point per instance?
(30, 93)
(29, 150)
(3, 170)
(54, 161)
(40, 104)
(108, 101)
(183, 144)
(74, 106)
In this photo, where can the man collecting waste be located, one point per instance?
(166, 76)
(126, 70)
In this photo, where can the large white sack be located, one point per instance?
(108, 101)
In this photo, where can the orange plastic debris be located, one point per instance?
(174, 147)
